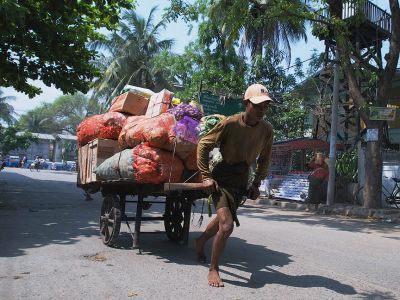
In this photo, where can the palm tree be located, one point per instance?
(35, 121)
(248, 19)
(131, 50)
(6, 110)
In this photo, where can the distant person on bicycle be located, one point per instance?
(36, 164)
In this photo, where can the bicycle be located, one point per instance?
(34, 166)
(392, 198)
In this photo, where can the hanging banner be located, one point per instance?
(213, 104)
(382, 113)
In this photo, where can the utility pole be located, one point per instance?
(334, 119)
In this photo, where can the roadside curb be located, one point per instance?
(384, 215)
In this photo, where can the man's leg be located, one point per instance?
(225, 228)
(211, 230)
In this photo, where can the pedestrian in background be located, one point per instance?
(23, 162)
(318, 181)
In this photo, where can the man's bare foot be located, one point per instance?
(201, 257)
(214, 280)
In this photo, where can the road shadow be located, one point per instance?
(35, 213)
(335, 222)
(377, 295)
(260, 262)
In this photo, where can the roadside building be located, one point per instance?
(52, 147)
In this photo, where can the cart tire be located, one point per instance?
(110, 219)
(174, 218)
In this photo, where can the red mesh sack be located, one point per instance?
(106, 126)
(130, 136)
(154, 130)
(181, 147)
(158, 132)
(152, 165)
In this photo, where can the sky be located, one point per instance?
(177, 31)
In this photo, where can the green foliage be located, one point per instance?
(69, 150)
(7, 113)
(9, 140)
(64, 114)
(288, 115)
(132, 49)
(347, 166)
(288, 118)
(46, 40)
(252, 23)
(268, 69)
(217, 68)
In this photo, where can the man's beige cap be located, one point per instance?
(257, 93)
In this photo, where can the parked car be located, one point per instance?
(13, 161)
(68, 166)
(57, 166)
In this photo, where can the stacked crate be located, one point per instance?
(92, 155)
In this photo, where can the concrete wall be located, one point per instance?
(43, 148)
(48, 149)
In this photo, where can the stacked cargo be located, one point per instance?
(151, 139)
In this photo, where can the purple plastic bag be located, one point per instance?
(187, 129)
(187, 110)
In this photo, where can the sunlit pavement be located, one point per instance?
(50, 249)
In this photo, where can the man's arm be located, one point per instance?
(204, 147)
(263, 160)
(206, 144)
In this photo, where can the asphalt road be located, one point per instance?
(50, 249)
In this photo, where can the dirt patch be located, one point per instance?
(96, 257)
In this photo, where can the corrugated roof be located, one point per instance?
(46, 136)
(67, 137)
(41, 136)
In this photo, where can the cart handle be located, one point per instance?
(182, 186)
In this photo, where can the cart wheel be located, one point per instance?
(110, 219)
(173, 218)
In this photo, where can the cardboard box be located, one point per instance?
(159, 103)
(92, 155)
(130, 103)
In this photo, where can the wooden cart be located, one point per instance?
(179, 198)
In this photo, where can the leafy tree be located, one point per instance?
(131, 49)
(384, 75)
(256, 23)
(46, 40)
(64, 114)
(208, 62)
(359, 64)
(260, 23)
(69, 110)
(9, 140)
(288, 115)
(38, 120)
(6, 110)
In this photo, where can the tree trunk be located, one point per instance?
(335, 8)
(373, 159)
(373, 172)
